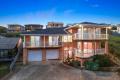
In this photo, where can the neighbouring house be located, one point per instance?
(78, 41)
(116, 30)
(32, 27)
(54, 25)
(9, 48)
(15, 28)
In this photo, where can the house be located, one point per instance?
(15, 28)
(8, 48)
(54, 25)
(79, 41)
(32, 27)
(116, 28)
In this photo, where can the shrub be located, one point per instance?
(68, 60)
(75, 63)
(90, 65)
(102, 60)
(72, 62)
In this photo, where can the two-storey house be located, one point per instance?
(79, 41)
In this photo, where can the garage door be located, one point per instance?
(52, 54)
(35, 55)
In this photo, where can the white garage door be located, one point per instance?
(35, 55)
(52, 54)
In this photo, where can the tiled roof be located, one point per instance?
(91, 23)
(8, 43)
(47, 31)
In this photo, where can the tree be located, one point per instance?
(3, 29)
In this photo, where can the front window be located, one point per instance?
(67, 38)
(35, 40)
(53, 40)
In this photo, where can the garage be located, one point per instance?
(34, 55)
(52, 54)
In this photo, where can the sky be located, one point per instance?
(66, 11)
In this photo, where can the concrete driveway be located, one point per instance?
(54, 70)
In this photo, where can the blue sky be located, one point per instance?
(67, 11)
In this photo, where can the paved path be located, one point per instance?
(56, 71)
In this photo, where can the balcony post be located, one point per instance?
(94, 35)
(106, 33)
(82, 33)
(82, 50)
(24, 43)
(106, 47)
(93, 47)
(44, 40)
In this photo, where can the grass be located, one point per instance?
(4, 69)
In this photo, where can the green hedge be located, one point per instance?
(89, 65)
(102, 60)
(4, 69)
(97, 62)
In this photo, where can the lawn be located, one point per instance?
(114, 45)
(4, 68)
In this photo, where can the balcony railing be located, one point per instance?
(38, 44)
(88, 52)
(86, 36)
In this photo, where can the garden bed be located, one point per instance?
(96, 63)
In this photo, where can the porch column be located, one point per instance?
(94, 33)
(44, 40)
(93, 47)
(106, 47)
(43, 56)
(82, 32)
(25, 56)
(61, 55)
(82, 50)
(106, 33)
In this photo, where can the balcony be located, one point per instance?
(41, 45)
(88, 52)
(86, 36)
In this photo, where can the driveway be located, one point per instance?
(54, 70)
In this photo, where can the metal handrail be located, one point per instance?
(88, 53)
(90, 36)
(16, 57)
(38, 44)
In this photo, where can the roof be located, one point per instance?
(34, 25)
(91, 23)
(8, 43)
(14, 25)
(47, 31)
(88, 24)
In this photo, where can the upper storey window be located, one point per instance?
(67, 38)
